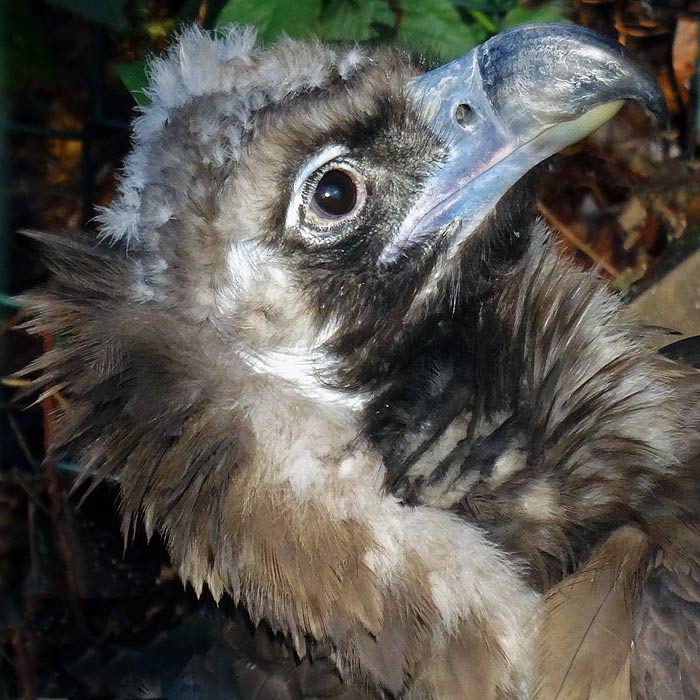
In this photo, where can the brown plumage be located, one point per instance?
(587, 469)
(383, 427)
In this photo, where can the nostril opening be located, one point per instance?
(464, 115)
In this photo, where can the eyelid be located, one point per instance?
(317, 161)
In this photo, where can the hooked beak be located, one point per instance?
(506, 106)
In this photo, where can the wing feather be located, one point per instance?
(588, 623)
(666, 654)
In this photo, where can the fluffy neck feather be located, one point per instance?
(273, 498)
(556, 423)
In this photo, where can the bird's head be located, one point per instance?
(294, 221)
(316, 204)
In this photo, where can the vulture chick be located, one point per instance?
(334, 360)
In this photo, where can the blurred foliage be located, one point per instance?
(446, 28)
(110, 13)
(23, 46)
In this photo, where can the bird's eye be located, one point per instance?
(338, 196)
(328, 192)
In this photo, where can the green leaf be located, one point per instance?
(523, 15)
(273, 17)
(435, 25)
(110, 13)
(133, 75)
(485, 21)
(491, 8)
(158, 30)
(353, 20)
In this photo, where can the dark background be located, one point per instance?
(75, 611)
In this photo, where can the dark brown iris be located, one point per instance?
(336, 193)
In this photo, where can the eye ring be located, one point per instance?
(337, 196)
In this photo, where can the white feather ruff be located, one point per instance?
(238, 78)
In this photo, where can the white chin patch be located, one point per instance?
(302, 370)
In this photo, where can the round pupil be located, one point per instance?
(336, 193)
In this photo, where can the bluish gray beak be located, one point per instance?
(506, 106)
